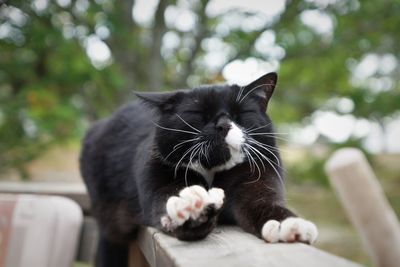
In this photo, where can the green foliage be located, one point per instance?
(50, 89)
(46, 84)
(309, 170)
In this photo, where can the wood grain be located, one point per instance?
(229, 246)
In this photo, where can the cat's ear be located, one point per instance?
(162, 100)
(263, 87)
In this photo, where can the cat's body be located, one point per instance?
(185, 160)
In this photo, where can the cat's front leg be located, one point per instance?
(193, 213)
(259, 209)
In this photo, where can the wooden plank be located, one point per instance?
(88, 240)
(366, 205)
(136, 257)
(74, 191)
(7, 206)
(44, 230)
(229, 246)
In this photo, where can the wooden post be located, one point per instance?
(366, 205)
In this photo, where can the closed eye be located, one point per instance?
(248, 111)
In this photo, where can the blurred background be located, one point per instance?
(67, 63)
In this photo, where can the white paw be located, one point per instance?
(190, 204)
(290, 230)
(270, 231)
(216, 196)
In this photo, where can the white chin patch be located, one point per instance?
(235, 137)
(235, 140)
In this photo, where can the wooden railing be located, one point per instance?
(225, 246)
(74, 191)
(228, 246)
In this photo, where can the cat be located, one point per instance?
(184, 161)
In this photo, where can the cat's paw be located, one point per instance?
(289, 230)
(193, 203)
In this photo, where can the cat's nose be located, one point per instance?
(223, 126)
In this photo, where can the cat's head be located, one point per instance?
(215, 127)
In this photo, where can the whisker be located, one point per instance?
(181, 143)
(240, 93)
(266, 147)
(194, 128)
(269, 133)
(265, 157)
(252, 89)
(258, 158)
(208, 152)
(255, 165)
(172, 129)
(269, 161)
(205, 151)
(176, 147)
(192, 154)
(258, 168)
(271, 152)
(252, 129)
(261, 144)
(278, 165)
(250, 162)
(184, 155)
(273, 148)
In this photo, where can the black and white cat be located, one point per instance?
(186, 160)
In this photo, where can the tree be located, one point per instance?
(51, 87)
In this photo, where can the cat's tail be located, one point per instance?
(111, 254)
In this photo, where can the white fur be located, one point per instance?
(190, 204)
(290, 230)
(235, 140)
(235, 137)
(270, 231)
(216, 196)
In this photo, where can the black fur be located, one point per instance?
(129, 167)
